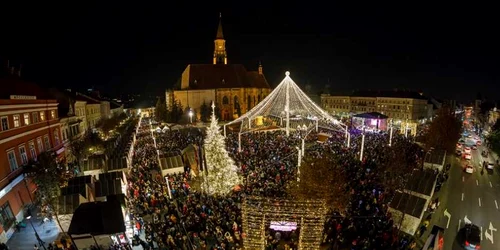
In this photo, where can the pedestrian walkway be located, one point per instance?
(25, 239)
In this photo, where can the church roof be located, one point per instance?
(219, 35)
(213, 76)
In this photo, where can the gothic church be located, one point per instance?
(233, 89)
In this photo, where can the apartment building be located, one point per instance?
(29, 125)
(397, 105)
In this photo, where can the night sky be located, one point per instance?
(447, 51)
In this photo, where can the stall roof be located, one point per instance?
(422, 181)
(408, 204)
(98, 218)
(108, 187)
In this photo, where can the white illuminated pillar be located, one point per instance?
(299, 159)
(224, 130)
(317, 125)
(303, 146)
(362, 146)
(249, 122)
(348, 140)
(239, 142)
(390, 137)
(168, 187)
(287, 104)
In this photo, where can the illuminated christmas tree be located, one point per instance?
(222, 172)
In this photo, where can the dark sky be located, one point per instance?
(446, 50)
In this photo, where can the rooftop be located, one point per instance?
(408, 204)
(212, 76)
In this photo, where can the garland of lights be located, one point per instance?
(257, 212)
(222, 173)
(286, 98)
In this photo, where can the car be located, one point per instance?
(490, 166)
(478, 143)
(467, 150)
(484, 153)
(459, 145)
(461, 140)
(471, 236)
(474, 147)
(458, 152)
(469, 169)
(468, 156)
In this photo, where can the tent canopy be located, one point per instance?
(286, 107)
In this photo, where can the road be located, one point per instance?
(472, 197)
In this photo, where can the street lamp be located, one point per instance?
(302, 133)
(190, 115)
(390, 134)
(362, 145)
(40, 241)
(298, 163)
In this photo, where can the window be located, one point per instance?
(52, 114)
(5, 123)
(225, 100)
(56, 137)
(46, 141)
(34, 117)
(6, 216)
(39, 143)
(24, 155)
(32, 150)
(26, 119)
(11, 155)
(42, 116)
(17, 122)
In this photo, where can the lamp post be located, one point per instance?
(406, 128)
(298, 163)
(302, 133)
(390, 134)
(362, 145)
(40, 241)
(190, 115)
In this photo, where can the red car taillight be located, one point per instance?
(478, 247)
(467, 243)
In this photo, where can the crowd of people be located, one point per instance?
(176, 215)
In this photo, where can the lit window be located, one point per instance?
(34, 117)
(42, 116)
(56, 137)
(11, 155)
(47, 142)
(17, 121)
(52, 114)
(39, 143)
(32, 150)
(7, 218)
(5, 123)
(24, 155)
(26, 119)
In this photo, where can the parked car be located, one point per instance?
(458, 152)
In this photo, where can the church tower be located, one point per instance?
(220, 55)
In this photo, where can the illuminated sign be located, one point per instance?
(22, 97)
(283, 226)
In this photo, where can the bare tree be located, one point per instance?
(321, 179)
(48, 176)
(444, 131)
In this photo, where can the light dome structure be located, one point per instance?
(287, 107)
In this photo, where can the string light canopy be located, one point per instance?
(259, 213)
(286, 107)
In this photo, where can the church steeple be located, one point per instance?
(220, 55)
(220, 35)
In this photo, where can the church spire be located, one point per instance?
(220, 55)
(219, 35)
